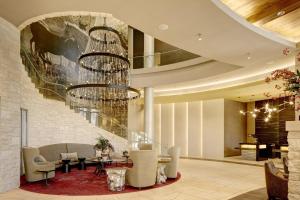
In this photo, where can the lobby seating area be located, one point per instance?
(146, 100)
(141, 167)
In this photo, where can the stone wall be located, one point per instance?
(9, 107)
(49, 121)
(294, 159)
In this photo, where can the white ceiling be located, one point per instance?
(226, 37)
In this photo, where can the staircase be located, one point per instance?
(55, 89)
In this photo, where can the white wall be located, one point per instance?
(167, 127)
(196, 127)
(181, 127)
(9, 106)
(235, 127)
(213, 129)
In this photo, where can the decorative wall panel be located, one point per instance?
(181, 127)
(195, 129)
(213, 129)
(167, 127)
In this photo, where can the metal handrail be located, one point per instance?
(37, 72)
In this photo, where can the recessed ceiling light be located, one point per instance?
(248, 56)
(163, 27)
(280, 13)
(199, 36)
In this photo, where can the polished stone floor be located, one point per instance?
(200, 180)
(259, 194)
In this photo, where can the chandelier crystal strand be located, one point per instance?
(104, 77)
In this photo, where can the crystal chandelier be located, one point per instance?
(103, 79)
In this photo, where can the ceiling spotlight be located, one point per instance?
(163, 27)
(291, 103)
(274, 109)
(254, 115)
(199, 36)
(248, 56)
(281, 13)
(256, 110)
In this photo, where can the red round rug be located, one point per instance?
(80, 182)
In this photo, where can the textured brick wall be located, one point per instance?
(49, 121)
(9, 108)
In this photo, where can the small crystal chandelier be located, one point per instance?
(103, 80)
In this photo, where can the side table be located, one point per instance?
(116, 179)
(81, 164)
(46, 172)
(66, 166)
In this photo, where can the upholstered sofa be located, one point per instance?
(52, 153)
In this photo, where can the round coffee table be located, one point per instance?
(81, 164)
(101, 164)
(66, 168)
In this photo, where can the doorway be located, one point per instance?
(24, 136)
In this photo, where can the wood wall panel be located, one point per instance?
(274, 130)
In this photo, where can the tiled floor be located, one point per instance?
(200, 180)
(259, 194)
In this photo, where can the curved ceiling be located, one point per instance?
(281, 17)
(227, 37)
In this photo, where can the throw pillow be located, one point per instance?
(69, 156)
(38, 159)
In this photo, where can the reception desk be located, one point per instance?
(254, 151)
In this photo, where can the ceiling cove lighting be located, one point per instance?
(103, 80)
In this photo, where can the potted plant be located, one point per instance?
(103, 145)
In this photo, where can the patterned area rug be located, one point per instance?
(80, 182)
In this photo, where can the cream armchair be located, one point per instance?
(172, 167)
(143, 172)
(33, 162)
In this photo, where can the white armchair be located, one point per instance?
(34, 162)
(172, 167)
(143, 172)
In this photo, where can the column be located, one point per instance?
(130, 46)
(148, 91)
(293, 128)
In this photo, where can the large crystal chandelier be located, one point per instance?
(103, 80)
